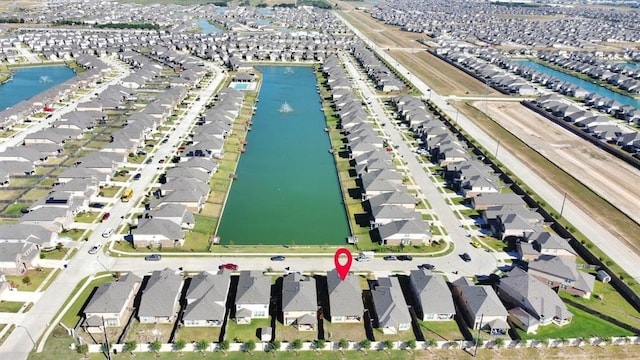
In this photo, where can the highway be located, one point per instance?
(609, 243)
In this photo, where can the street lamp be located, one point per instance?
(29, 334)
(563, 201)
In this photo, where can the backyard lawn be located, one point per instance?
(400, 336)
(290, 333)
(245, 332)
(336, 332)
(147, 333)
(582, 325)
(440, 330)
(190, 334)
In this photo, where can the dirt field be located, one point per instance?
(404, 47)
(604, 174)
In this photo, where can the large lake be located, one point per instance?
(287, 191)
(30, 81)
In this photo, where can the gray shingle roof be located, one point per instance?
(299, 293)
(253, 288)
(391, 308)
(111, 297)
(433, 292)
(207, 296)
(159, 296)
(345, 297)
(481, 299)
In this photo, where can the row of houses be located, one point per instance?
(621, 75)
(382, 76)
(393, 218)
(518, 299)
(185, 186)
(599, 126)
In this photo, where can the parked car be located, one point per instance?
(161, 161)
(153, 257)
(390, 258)
(405, 257)
(108, 232)
(465, 257)
(94, 249)
(96, 205)
(475, 244)
(277, 258)
(228, 266)
(105, 216)
(426, 266)
(137, 176)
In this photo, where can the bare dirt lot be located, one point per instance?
(601, 172)
(404, 47)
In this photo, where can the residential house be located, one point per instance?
(391, 310)
(544, 243)
(560, 273)
(433, 297)
(157, 232)
(521, 290)
(252, 296)
(159, 302)
(345, 298)
(481, 308)
(299, 302)
(207, 299)
(18, 257)
(405, 232)
(111, 304)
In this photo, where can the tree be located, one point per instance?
(249, 346)
(26, 280)
(223, 346)
(365, 345)
(274, 346)
(319, 344)
(82, 349)
(296, 345)
(155, 346)
(411, 345)
(387, 345)
(179, 345)
(343, 344)
(202, 346)
(499, 342)
(430, 343)
(129, 346)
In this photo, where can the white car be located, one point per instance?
(94, 249)
(107, 233)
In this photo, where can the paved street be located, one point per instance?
(608, 242)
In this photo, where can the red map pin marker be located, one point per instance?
(343, 269)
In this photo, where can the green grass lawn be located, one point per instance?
(582, 325)
(10, 306)
(36, 277)
(53, 254)
(74, 234)
(110, 191)
(440, 330)
(400, 336)
(15, 209)
(245, 332)
(86, 217)
(72, 316)
(35, 194)
(611, 304)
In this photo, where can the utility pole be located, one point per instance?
(475, 350)
(106, 339)
(563, 201)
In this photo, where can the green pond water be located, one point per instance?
(287, 191)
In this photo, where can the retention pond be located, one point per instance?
(287, 190)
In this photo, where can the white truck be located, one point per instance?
(365, 256)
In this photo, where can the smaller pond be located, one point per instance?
(29, 81)
(207, 28)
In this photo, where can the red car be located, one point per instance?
(105, 216)
(228, 266)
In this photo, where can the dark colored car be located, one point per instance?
(426, 266)
(153, 257)
(278, 258)
(96, 205)
(465, 257)
(390, 258)
(137, 176)
(229, 266)
(405, 257)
